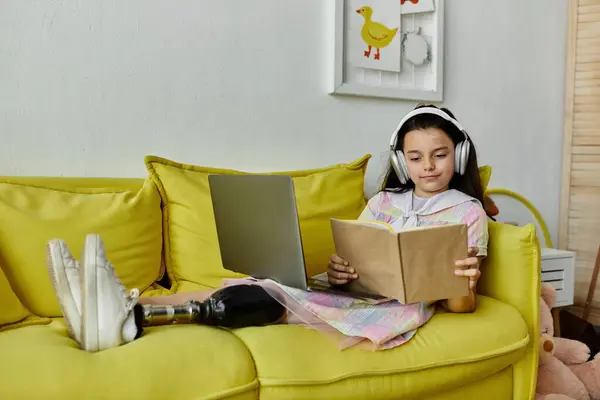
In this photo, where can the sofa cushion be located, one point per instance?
(190, 236)
(155, 290)
(13, 313)
(12, 309)
(33, 212)
(173, 362)
(450, 351)
(485, 174)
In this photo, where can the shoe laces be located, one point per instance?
(131, 297)
(134, 295)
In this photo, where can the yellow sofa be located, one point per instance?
(162, 225)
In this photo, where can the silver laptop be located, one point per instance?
(259, 233)
(258, 228)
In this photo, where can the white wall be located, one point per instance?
(91, 87)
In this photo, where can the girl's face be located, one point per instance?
(429, 156)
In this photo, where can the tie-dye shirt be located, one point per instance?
(387, 207)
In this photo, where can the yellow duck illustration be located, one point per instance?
(375, 34)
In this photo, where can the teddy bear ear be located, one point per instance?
(548, 294)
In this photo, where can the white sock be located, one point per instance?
(129, 329)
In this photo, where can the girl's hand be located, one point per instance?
(339, 271)
(469, 267)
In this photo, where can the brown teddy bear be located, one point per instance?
(564, 370)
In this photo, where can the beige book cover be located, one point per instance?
(412, 265)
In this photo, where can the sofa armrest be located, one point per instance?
(511, 273)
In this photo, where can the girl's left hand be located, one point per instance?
(469, 267)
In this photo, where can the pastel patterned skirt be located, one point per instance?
(349, 321)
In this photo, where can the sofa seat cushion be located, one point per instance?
(171, 362)
(449, 351)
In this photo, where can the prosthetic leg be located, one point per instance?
(232, 307)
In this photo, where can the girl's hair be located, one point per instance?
(469, 183)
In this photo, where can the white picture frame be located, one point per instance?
(421, 83)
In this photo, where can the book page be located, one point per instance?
(322, 277)
(424, 227)
(371, 222)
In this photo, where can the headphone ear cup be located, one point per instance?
(466, 152)
(457, 158)
(396, 164)
(461, 156)
(399, 165)
(402, 161)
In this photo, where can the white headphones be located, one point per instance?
(461, 152)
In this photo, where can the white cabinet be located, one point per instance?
(558, 269)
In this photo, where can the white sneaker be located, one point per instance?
(63, 270)
(107, 309)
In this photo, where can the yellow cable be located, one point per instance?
(530, 207)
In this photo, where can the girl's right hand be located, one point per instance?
(339, 271)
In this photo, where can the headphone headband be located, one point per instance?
(425, 110)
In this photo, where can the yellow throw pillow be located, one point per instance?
(12, 312)
(129, 222)
(485, 173)
(11, 308)
(190, 236)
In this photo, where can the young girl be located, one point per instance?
(433, 179)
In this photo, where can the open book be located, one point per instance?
(412, 265)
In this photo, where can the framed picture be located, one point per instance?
(389, 49)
